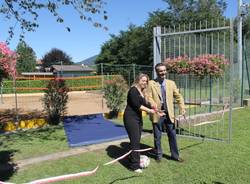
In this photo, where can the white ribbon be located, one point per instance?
(64, 177)
(125, 155)
(80, 174)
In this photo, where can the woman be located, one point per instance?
(136, 103)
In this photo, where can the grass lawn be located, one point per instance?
(205, 162)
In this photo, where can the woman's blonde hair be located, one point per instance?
(138, 78)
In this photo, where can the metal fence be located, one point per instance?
(246, 69)
(207, 99)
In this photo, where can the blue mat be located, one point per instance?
(91, 129)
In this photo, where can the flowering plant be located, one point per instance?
(201, 66)
(55, 100)
(7, 61)
(115, 92)
(178, 65)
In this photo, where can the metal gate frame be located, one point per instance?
(159, 49)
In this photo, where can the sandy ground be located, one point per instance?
(80, 102)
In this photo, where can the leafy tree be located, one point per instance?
(26, 13)
(185, 11)
(135, 44)
(26, 61)
(128, 47)
(246, 26)
(55, 56)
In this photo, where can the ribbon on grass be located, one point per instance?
(64, 177)
(125, 155)
(80, 174)
(121, 157)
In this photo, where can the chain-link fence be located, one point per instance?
(246, 68)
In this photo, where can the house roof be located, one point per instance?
(37, 73)
(71, 68)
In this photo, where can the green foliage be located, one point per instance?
(89, 83)
(186, 11)
(132, 46)
(56, 56)
(246, 26)
(115, 91)
(26, 61)
(135, 44)
(55, 100)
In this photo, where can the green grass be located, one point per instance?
(32, 143)
(205, 162)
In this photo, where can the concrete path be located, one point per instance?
(74, 151)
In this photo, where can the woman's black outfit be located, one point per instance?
(133, 123)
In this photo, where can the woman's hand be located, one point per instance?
(151, 111)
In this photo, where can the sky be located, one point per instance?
(84, 40)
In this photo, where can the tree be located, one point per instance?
(246, 26)
(135, 44)
(185, 11)
(128, 47)
(26, 13)
(26, 61)
(56, 56)
(7, 61)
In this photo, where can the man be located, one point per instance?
(161, 94)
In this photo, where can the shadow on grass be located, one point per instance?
(192, 145)
(184, 132)
(123, 179)
(147, 131)
(7, 167)
(115, 152)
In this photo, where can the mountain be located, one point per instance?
(88, 61)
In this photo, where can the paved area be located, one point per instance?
(80, 102)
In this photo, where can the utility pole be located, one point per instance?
(239, 35)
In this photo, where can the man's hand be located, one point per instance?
(183, 112)
(161, 113)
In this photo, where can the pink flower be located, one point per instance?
(202, 65)
(7, 60)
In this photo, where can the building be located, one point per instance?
(72, 70)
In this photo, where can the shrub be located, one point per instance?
(115, 92)
(55, 100)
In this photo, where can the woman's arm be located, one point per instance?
(146, 109)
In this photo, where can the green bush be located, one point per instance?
(115, 92)
(55, 100)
